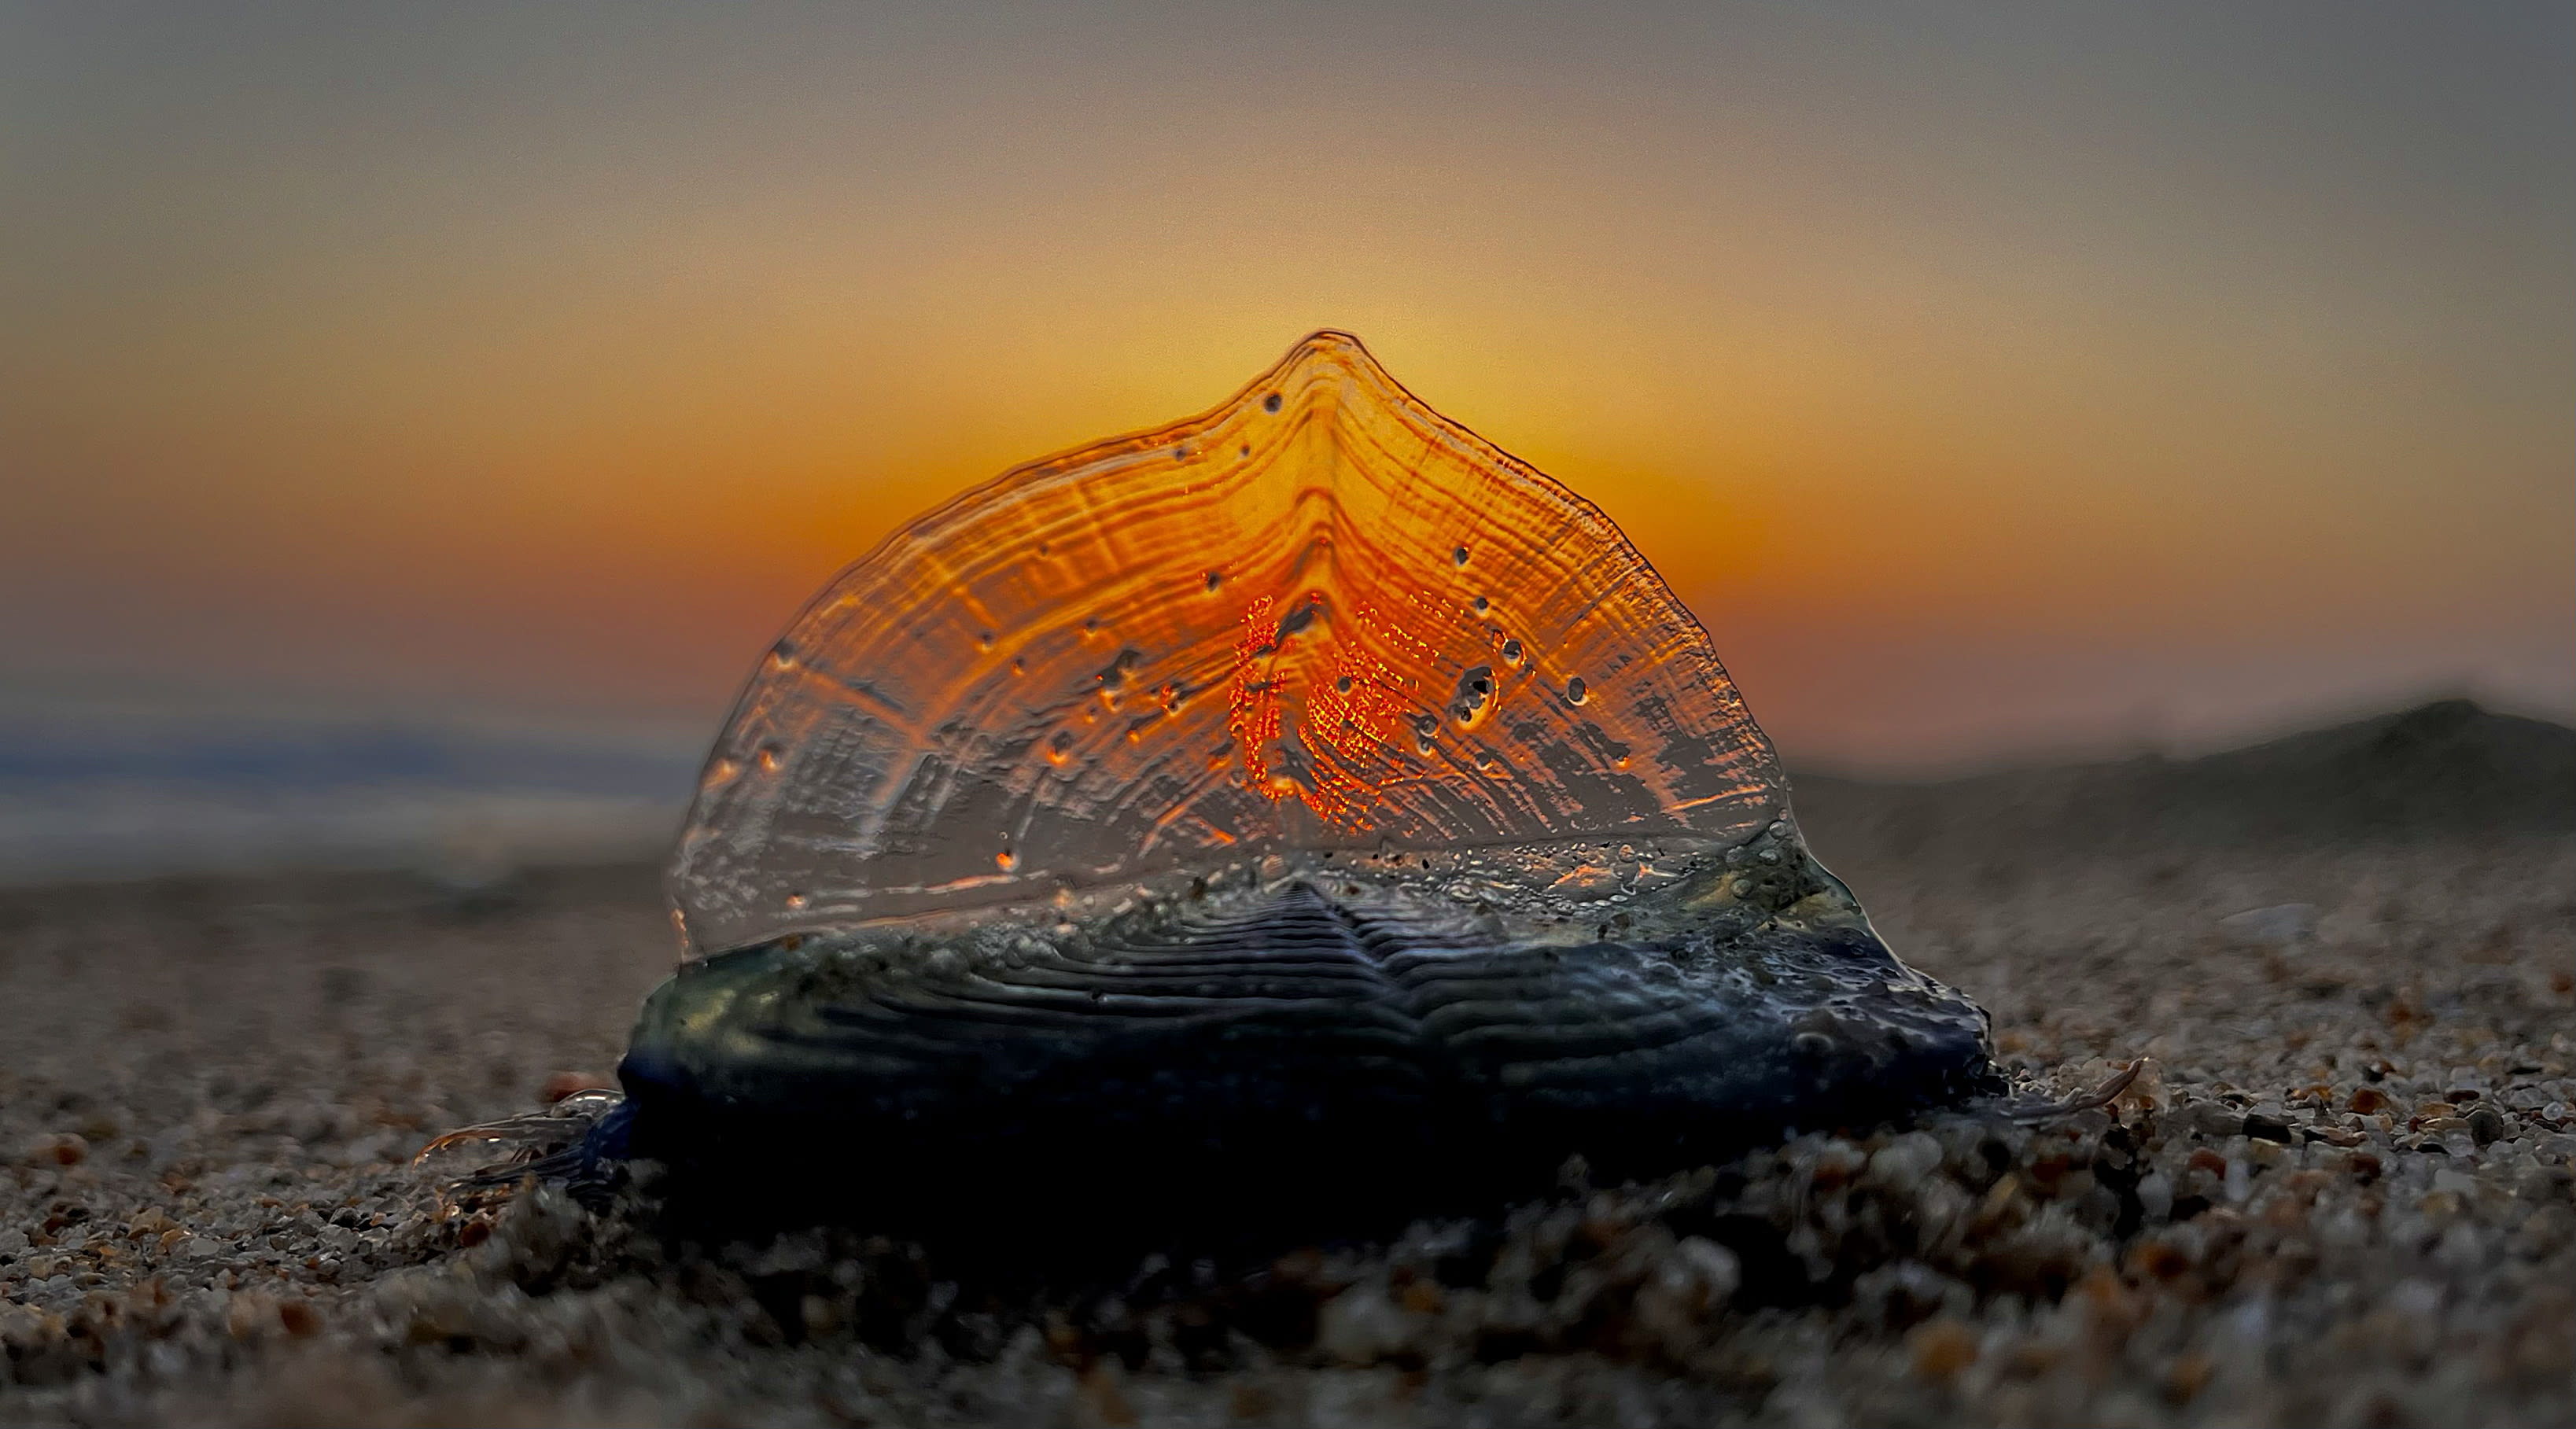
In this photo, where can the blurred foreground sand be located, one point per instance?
(2343, 1194)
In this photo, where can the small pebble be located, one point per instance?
(64, 1148)
(564, 1084)
(1939, 1349)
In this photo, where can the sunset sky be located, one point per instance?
(1991, 379)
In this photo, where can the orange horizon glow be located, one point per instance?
(1966, 407)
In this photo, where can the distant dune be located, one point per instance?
(2444, 770)
(128, 798)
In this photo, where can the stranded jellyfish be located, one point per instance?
(1302, 808)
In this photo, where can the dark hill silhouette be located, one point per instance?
(2449, 769)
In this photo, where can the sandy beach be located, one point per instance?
(2340, 1192)
(1257, 644)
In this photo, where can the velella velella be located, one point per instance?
(1304, 807)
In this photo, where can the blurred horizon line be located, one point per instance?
(81, 708)
(99, 787)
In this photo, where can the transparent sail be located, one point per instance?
(1320, 616)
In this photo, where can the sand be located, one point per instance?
(2341, 1192)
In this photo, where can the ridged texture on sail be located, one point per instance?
(1320, 615)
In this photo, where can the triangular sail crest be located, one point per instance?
(1320, 615)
